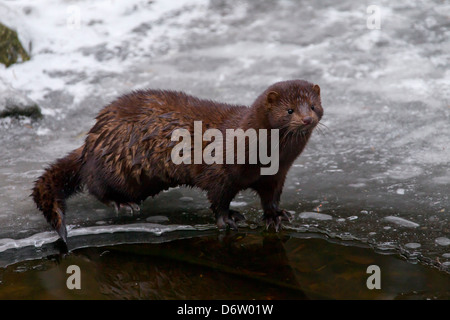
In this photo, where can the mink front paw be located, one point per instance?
(229, 218)
(274, 218)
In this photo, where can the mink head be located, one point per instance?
(292, 105)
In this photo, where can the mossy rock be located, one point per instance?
(10, 47)
(16, 104)
(15, 111)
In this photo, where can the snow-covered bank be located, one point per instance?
(75, 42)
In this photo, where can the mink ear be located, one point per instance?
(316, 89)
(272, 97)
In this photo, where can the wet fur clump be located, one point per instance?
(126, 156)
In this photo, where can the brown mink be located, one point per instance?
(126, 156)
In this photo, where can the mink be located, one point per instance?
(126, 156)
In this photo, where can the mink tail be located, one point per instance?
(59, 181)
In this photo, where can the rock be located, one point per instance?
(11, 50)
(14, 103)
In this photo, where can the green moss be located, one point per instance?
(10, 47)
(32, 111)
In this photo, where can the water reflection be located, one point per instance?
(234, 266)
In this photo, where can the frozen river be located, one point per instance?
(379, 174)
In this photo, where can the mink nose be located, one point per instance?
(307, 120)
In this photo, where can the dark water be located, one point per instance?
(223, 266)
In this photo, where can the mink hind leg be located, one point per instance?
(126, 194)
(110, 196)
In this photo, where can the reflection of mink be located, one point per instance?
(127, 153)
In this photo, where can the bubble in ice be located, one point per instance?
(401, 222)
(34, 217)
(238, 203)
(442, 241)
(442, 179)
(43, 131)
(357, 185)
(413, 245)
(403, 172)
(315, 215)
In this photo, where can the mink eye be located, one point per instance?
(312, 107)
(291, 111)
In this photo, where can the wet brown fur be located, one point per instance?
(127, 153)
